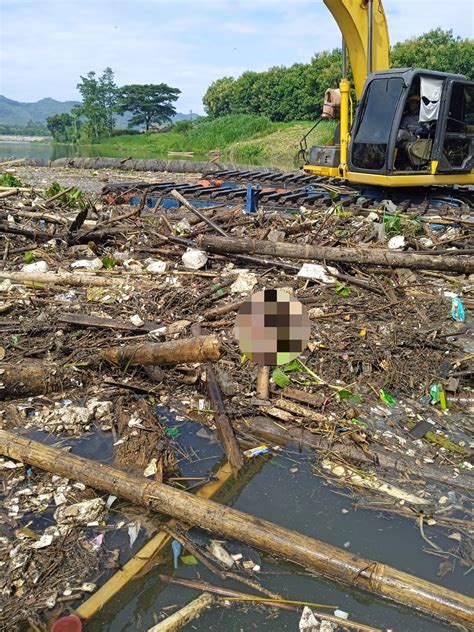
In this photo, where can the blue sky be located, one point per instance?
(45, 45)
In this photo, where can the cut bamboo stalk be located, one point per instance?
(361, 256)
(83, 279)
(9, 193)
(263, 383)
(322, 558)
(57, 196)
(198, 349)
(191, 611)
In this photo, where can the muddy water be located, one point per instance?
(300, 500)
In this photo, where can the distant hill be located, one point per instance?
(20, 114)
(17, 113)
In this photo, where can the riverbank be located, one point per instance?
(238, 138)
(242, 139)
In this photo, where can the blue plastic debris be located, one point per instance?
(251, 200)
(177, 548)
(457, 310)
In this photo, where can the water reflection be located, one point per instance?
(52, 151)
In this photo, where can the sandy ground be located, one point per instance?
(90, 180)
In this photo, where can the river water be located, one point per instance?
(47, 150)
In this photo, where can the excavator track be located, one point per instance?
(295, 189)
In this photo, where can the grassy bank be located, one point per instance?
(241, 138)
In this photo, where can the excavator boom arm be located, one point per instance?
(356, 18)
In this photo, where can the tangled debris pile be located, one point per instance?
(94, 293)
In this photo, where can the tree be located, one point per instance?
(297, 92)
(60, 126)
(149, 103)
(436, 50)
(218, 100)
(99, 97)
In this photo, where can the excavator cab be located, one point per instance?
(390, 144)
(441, 137)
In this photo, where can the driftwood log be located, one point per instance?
(34, 378)
(198, 349)
(324, 559)
(360, 256)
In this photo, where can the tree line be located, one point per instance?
(102, 99)
(297, 92)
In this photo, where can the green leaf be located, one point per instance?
(29, 256)
(386, 397)
(359, 422)
(109, 262)
(189, 560)
(280, 378)
(342, 289)
(352, 398)
(172, 431)
(294, 365)
(15, 339)
(344, 393)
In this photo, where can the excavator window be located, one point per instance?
(374, 123)
(458, 146)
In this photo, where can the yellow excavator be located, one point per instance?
(374, 146)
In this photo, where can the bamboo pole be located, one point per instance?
(198, 349)
(285, 604)
(81, 279)
(361, 256)
(191, 611)
(325, 559)
(266, 429)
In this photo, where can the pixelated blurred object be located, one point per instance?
(272, 327)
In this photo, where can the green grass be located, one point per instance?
(281, 147)
(243, 138)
